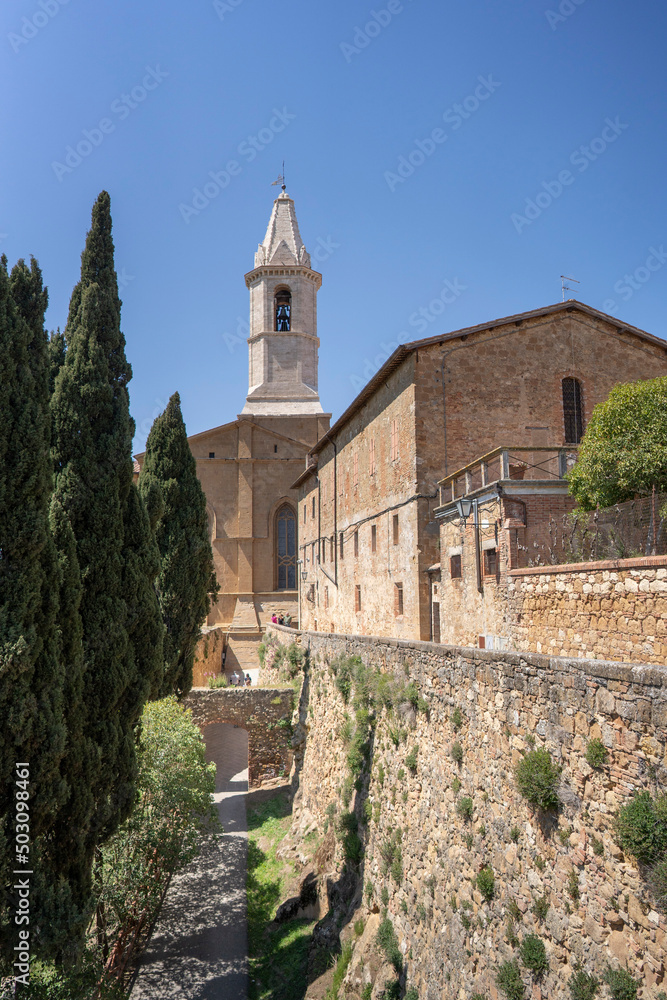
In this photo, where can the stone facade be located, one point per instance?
(434, 406)
(266, 715)
(615, 609)
(452, 941)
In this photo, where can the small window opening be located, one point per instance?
(357, 597)
(398, 599)
(356, 543)
(342, 545)
(395, 529)
(283, 301)
(490, 562)
(275, 449)
(374, 538)
(211, 454)
(312, 507)
(326, 597)
(455, 567)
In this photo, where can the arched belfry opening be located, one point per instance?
(283, 310)
(285, 536)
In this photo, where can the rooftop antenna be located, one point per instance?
(280, 179)
(566, 288)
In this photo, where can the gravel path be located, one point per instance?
(199, 948)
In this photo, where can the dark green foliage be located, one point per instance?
(582, 986)
(656, 879)
(623, 450)
(411, 759)
(387, 941)
(186, 578)
(622, 986)
(534, 955)
(392, 990)
(367, 992)
(343, 670)
(353, 849)
(596, 753)
(92, 437)
(573, 885)
(457, 753)
(384, 896)
(640, 828)
(538, 778)
(456, 786)
(411, 993)
(598, 846)
(456, 718)
(486, 882)
(541, 907)
(515, 833)
(464, 807)
(31, 671)
(509, 981)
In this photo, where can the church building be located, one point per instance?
(247, 467)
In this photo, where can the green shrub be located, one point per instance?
(367, 811)
(367, 992)
(515, 833)
(509, 981)
(538, 777)
(656, 880)
(534, 955)
(411, 759)
(541, 907)
(564, 835)
(404, 907)
(582, 986)
(465, 920)
(482, 830)
(400, 775)
(346, 730)
(510, 933)
(456, 718)
(469, 840)
(573, 885)
(596, 753)
(384, 896)
(539, 862)
(598, 846)
(397, 868)
(387, 941)
(456, 786)
(392, 990)
(622, 986)
(513, 910)
(457, 753)
(359, 926)
(380, 774)
(368, 892)
(411, 993)
(478, 996)
(464, 807)
(486, 882)
(640, 827)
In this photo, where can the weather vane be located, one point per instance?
(280, 179)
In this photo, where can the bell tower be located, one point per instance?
(283, 342)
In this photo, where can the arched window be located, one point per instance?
(286, 548)
(283, 310)
(572, 414)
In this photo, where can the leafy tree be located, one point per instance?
(31, 702)
(186, 579)
(624, 449)
(92, 437)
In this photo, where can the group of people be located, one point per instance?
(281, 619)
(238, 680)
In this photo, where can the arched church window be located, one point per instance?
(283, 303)
(572, 413)
(286, 548)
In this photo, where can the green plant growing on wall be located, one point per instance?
(457, 753)
(573, 885)
(596, 753)
(534, 955)
(541, 907)
(515, 833)
(514, 910)
(456, 786)
(598, 846)
(388, 942)
(582, 986)
(640, 827)
(464, 808)
(456, 719)
(538, 777)
(510, 933)
(622, 986)
(411, 993)
(509, 981)
(384, 896)
(411, 759)
(486, 883)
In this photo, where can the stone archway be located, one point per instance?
(264, 713)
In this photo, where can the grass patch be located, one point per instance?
(278, 958)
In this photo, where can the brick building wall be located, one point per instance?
(450, 400)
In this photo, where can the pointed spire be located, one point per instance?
(282, 243)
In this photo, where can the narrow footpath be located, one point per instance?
(199, 948)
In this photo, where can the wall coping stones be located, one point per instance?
(589, 567)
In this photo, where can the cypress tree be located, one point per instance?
(31, 677)
(186, 580)
(92, 452)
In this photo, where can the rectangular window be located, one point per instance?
(323, 548)
(356, 543)
(490, 562)
(395, 529)
(305, 513)
(313, 553)
(312, 510)
(355, 477)
(371, 457)
(357, 598)
(398, 599)
(326, 597)
(394, 440)
(374, 538)
(342, 544)
(455, 567)
(332, 543)
(211, 454)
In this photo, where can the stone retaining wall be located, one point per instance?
(616, 610)
(452, 940)
(266, 715)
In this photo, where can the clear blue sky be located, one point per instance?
(352, 101)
